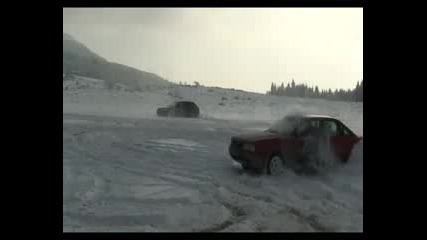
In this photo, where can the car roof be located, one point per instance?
(310, 116)
(184, 102)
(317, 116)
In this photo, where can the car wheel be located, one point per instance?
(275, 165)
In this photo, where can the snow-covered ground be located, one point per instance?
(124, 169)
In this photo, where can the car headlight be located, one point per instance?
(249, 147)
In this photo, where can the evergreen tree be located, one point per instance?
(292, 91)
(303, 90)
(287, 90)
(309, 92)
(282, 90)
(316, 92)
(349, 95)
(298, 90)
(356, 92)
(272, 90)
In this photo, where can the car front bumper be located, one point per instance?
(249, 159)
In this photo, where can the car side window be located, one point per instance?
(330, 127)
(315, 123)
(308, 128)
(345, 131)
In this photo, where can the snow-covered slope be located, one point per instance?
(213, 102)
(78, 58)
(67, 37)
(71, 47)
(124, 169)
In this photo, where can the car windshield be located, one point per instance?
(284, 126)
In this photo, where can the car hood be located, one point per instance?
(256, 136)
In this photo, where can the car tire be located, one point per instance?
(275, 165)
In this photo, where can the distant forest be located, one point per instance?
(303, 91)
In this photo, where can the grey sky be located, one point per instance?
(244, 48)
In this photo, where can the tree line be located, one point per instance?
(304, 91)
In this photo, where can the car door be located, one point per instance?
(309, 136)
(341, 138)
(331, 131)
(290, 143)
(346, 141)
(179, 109)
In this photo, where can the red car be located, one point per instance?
(295, 141)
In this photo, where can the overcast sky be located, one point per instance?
(244, 48)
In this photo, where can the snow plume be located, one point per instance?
(321, 156)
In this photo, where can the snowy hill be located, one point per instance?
(77, 58)
(214, 103)
(67, 37)
(71, 47)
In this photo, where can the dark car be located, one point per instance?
(295, 142)
(180, 109)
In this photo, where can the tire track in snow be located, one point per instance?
(191, 170)
(312, 220)
(237, 215)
